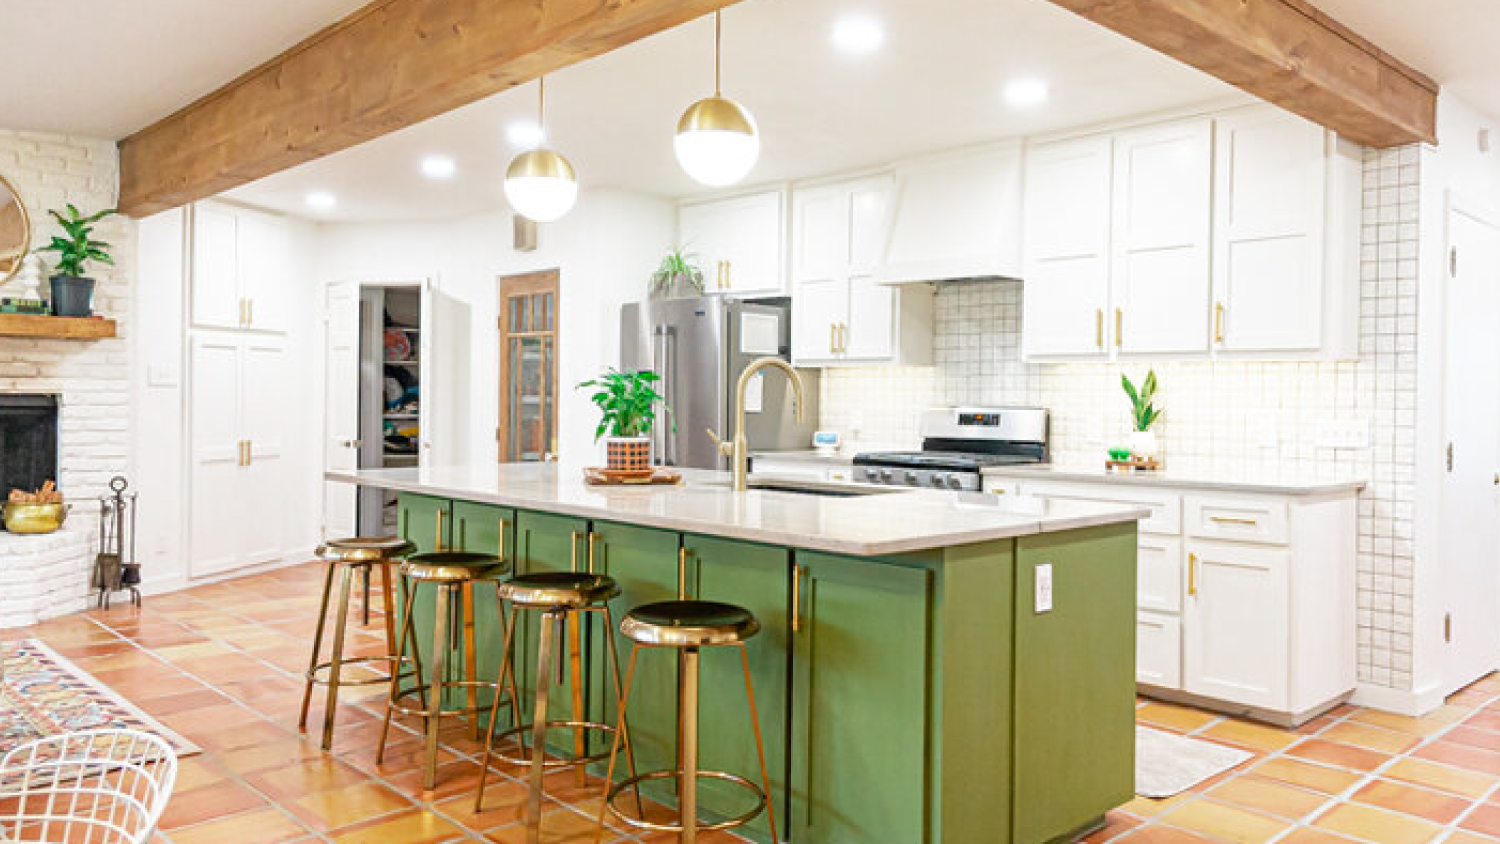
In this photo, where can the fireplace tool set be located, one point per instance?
(114, 571)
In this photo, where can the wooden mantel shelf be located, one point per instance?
(67, 328)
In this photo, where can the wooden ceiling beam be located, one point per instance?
(389, 65)
(1286, 52)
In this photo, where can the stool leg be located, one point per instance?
(539, 727)
(574, 621)
(687, 789)
(515, 717)
(760, 749)
(623, 728)
(312, 664)
(471, 669)
(435, 691)
(365, 604)
(407, 635)
(336, 664)
(614, 748)
(390, 614)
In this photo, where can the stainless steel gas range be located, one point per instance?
(957, 443)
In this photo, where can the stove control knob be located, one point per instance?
(871, 474)
(911, 476)
(936, 479)
(885, 475)
(955, 482)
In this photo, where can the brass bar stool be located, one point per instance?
(687, 627)
(347, 557)
(453, 573)
(562, 598)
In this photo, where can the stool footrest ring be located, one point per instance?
(420, 711)
(526, 729)
(641, 823)
(318, 675)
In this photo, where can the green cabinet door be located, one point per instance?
(644, 562)
(484, 529)
(1075, 681)
(428, 523)
(546, 542)
(758, 578)
(859, 701)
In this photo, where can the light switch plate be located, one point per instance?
(1044, 588)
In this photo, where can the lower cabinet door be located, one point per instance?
(1159, 573)
(427, 523)
(484, 529)
(545, 542)
(1234, 624)
(755, 577)
(859, 702)
(1158, 649)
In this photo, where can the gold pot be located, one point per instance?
(34, 518)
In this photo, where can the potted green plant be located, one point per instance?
(677, 275)
(627, 405)
(72, 292)
(1144, 414)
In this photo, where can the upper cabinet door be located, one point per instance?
(1269, 201)
(1160, 278)
(698, 229)
(1067, 236)
(737, 243)
(820, 235)
(215, 284)
(869, 331)
(265, 270)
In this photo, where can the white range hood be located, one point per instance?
(956, 216)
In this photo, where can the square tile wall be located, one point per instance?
(1226, 417)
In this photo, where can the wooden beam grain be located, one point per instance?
(1286, 52)
(392, 64)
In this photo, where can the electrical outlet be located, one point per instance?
(1044, 588)
(1344, 433)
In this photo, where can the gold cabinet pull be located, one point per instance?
(1192, 575)
(242, 313)
(249, 452)
(437, 544)
(590, 541)
(1233, 520)
(833, 338)
(249, 313)
(1099, 327)
(573, 552)
(843, 338)
(728, 275)
(1218, 322)
(796, 599)
(1119, 328)
(682, 558)
(463, 536)
(500, 543)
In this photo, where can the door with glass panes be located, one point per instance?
(528, 366)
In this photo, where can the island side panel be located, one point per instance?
(1074, 720)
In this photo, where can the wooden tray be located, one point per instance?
(640, 477)
(1134, 464)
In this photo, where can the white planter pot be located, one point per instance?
(1143, 443)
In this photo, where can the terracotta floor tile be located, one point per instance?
(1473, 737)
(1424, 726)
(1484, 719)
(1412, 800)
(1378, 825)
(419, 827)
(342, 807)
(1321, 778)
(1370, 737)
(1180, 718)
(1485, 818)
(1460, 836)
(264, 826)
(1115, 824)
(309, 777)
(1162, 835)
(1442, 777)
(1335, 753)
(1252, 736)
(1308, 835)
(1269, 796)
(504, 803)
(1147, 807)
(209, 802)
(1461, 755)
(1225, 822)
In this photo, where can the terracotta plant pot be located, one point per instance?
(628, 454)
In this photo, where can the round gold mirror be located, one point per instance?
(15, 231)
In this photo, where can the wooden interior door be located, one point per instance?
(528, 366)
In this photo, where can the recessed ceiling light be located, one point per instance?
(1023, 93)
(320, 200)
(858, 35)
(525, 134)
(438, 167)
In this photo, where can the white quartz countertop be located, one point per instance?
(868, 526)
(1269, 482)
(837, 458)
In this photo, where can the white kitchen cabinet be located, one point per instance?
(738, 242)
(1066, 248)
(1245, 602)
(237, 431)
(840, 314)
(242, 268)
(1159, 256)
(1286, 198)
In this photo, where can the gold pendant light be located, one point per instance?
(717, 142)
(541, 183)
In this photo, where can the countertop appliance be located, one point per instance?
(699, 347)
(956, 444)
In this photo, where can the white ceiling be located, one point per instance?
(105, 68)
(936, 84)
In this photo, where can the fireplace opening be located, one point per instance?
(28, 441)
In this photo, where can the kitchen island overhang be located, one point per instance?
(912, 682)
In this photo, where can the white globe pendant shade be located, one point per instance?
(541, 185)
(717, 143)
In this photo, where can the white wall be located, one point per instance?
(605, 248)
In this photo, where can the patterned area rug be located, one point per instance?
(44, 694)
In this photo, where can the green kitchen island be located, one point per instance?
(914, 687)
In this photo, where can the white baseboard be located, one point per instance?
(1400, 701)
(166, 586)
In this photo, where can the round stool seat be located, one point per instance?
(559, 589)
(359, 550)
(454, 567)
(689, 624)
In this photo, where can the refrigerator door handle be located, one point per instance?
(664, 363)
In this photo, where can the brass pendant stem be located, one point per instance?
(718, 52)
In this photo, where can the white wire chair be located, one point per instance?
(90, 787)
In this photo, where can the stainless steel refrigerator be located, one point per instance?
(700, 347)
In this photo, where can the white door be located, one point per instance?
(1160, 258)
(214, 532)
(1234, 624)
(1269, 177)
(1471, 552)
(1066, 249)
(265, 269)
(341, 407)
(215, 284)
(264, 497)
(750, 236)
